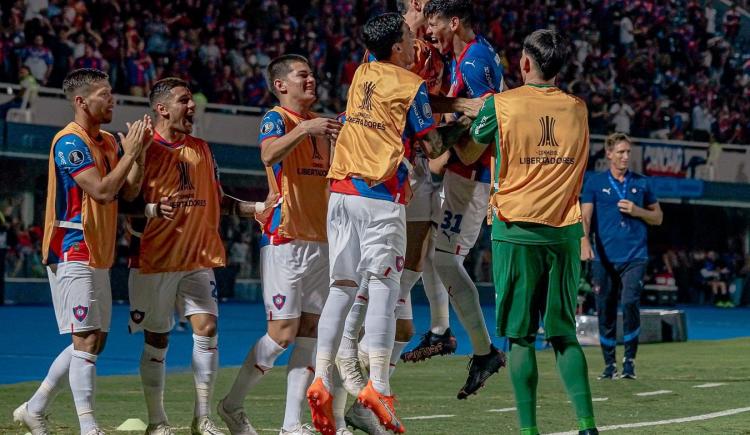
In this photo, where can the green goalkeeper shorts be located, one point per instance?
(534, 282)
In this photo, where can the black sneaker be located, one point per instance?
(480, 369)
(593, 431)
(610, 372)
(628, 368)
(432, 345)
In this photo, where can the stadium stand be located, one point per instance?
(649, 68)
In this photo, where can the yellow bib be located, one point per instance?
(302, 184)
(99, 221)
(544, 149)
(370, 144)
(186, 174)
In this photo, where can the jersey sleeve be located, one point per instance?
(587, 193)
(478, 77)
(271, 126)
(72, 155)
(419, 121)
(484, 129)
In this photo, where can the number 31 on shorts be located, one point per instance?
(452, 222)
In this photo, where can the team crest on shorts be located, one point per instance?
(399, 263)
(80, 312)
(279, 300)
(137, 316)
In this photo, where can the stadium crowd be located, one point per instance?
(662, 69)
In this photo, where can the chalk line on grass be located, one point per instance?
(653, 393)
(709, 385)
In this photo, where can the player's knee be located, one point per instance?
(345, 283)
(101, 342)
(86, 341)
(155, 339)
(284, 331)
(404, 330)
(446, 260)
(308, 325)
(205, 329)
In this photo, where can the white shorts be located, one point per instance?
(419, 208)
(365, 236)
(81, 296)
(295, 278)
(438, 199)
(463, 211)
(153, 297)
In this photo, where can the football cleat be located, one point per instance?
(344, 431)
(382, 407)
(300, 429)
(162, 428)
(36, 424)
(481, 367)
(204, 426)
(610, 372)
(593, 431)
(95, 431)
(236, 420)
(361, 418)
(351, 375)
(321, 407)
(432, 345)
(628, 368)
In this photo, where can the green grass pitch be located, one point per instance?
(429, 389)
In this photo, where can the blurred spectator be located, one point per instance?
(38, 58)
(91, 59)
(622, 114)
(715, 276)
(702, 121)
(28, 84)
(140, 70)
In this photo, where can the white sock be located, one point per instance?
(56, 380)
(380, 325)
(330, 329)
(299, 375)
(82, 378)
(153, 374)
(257, 363)
(353, 324)
(398, 347)
(403, 305)
(339, 400)
(465, 299)
(436, 294)
(205, 368)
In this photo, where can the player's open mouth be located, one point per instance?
(189, 119)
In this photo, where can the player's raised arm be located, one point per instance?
(132, 186)
(105, 189)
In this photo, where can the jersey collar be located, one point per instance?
(161, 141)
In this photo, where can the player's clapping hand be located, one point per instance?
(132, 143)
(324, 127)
(165, 209)
(628, 207)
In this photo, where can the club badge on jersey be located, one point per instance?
(80, 312)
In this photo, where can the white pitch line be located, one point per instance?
(428, 417)
(654, 393)
(502, 410)
(709, 385)
(600, 399)
(710, 416)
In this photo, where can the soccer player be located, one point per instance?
(87, 172)
(541, 136)
(475, 72)
(178, 249)
(387, 108)
(295, 147)
(621, 204)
